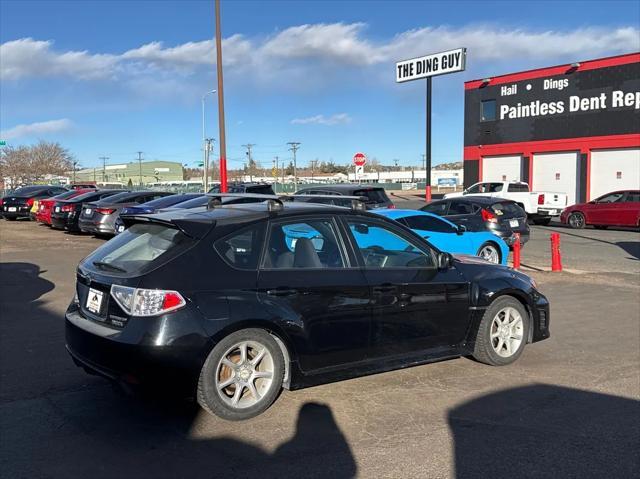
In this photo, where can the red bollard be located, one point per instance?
(556, 260)
(516, 251)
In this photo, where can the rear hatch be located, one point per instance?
(123, 261)
(509, 216)
(550, 200)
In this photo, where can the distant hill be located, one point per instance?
(456, 165)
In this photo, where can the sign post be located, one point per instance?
(426, 67)
(359, 160)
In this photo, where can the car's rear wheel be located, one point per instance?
(576, 220)
(10, 218)
(502, 333)
(490, 252)
(541, 221)
(242, 376)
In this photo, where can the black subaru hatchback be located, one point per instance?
(237, 302)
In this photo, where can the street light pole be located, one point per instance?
(223, 140)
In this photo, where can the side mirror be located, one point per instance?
(464, 192)
(462, 229)
(445, 260)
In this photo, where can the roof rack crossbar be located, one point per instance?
(274, 203)
(357, 202)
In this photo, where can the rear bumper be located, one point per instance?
(134, 355)
(547, 212)
(93, 227)
(509, 237)
(20, 212)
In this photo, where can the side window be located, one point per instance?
(381, 247)
(428, 223)
(459, 208)
(242, 248)
(474, 188)
(488, 110)
(436, 208)
(495, 187)
(310, 243)
(633, 197)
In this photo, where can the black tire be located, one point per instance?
(600, 227)
(541, 221)
(483, 350)
(576, 220)
(491, 245)
(209, 398)
(10, 218)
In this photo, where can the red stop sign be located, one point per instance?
(359, 159)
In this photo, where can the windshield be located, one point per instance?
(66, 194)
(169, 200)
(119, 198)
(138, 248)
(194, 203)
(507, 209)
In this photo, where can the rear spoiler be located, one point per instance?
(193, 227)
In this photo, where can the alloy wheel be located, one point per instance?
(576, 220)
(244, 374)
(490, 253)
(507, 330)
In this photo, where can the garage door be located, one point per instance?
(556, 172)
(613, 170)
(501, 168)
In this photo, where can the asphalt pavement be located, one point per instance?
(568, 408)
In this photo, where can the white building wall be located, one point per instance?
(556, 172)
(501, 168)
(613, 170)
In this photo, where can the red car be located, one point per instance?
(620, 208)
(43, 215)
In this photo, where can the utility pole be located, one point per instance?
(104, 167)
(275, 169)
(75, 163)
(140, 167)
(208, 148)
(248, 146)
(223, 141)
(294, 147)
(313, 167)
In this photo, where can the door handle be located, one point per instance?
(282, 292)
(386, 288)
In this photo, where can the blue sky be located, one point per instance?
(116, 77)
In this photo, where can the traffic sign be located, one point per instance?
(359, 159)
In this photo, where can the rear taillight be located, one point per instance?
(30, 202)
(67, 208)
(1, 201)
(391, 207)
(105, 211)
(541, 199)
(146, 302)
(488, 216)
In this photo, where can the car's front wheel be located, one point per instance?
(242, 376)
(490, 252)
(502, 333)
(576, 220)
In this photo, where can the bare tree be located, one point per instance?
(28, 164)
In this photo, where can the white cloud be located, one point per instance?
(34, 58)
(36, 129)
(337, 119)
(304, 49)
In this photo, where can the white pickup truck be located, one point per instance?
(540, 206)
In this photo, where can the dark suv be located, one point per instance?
(236, 302)
(372, 196)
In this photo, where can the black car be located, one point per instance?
(236, 302)
(99, 217)
(245, 187)
(18, 204)
(66, 213)
(501, 217)
(373, 196)
(154, 206)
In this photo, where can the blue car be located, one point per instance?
(449, 237)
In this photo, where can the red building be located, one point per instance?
(571, 128)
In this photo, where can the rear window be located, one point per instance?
(66, 194)
(194, 203)
(26, 190)
(373, 196)
(242, 248)
(518, 188)
(139, 248)
(507, 209)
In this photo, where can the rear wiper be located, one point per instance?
(103, 265)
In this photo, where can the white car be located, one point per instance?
(540, 206)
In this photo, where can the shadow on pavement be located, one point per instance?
(632, 248)
(546, 431)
